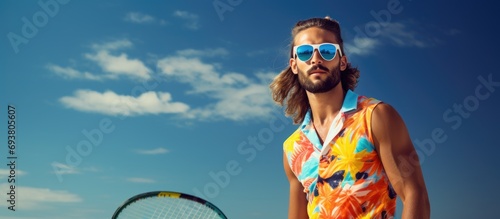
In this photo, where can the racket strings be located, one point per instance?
(167, 208)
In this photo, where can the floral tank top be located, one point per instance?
(344, 177)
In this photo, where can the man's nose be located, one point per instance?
(316, 57)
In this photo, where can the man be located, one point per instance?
(345, 160)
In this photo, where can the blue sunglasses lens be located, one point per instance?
(327, 51)
(304, 52)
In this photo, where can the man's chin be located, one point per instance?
(318, 89)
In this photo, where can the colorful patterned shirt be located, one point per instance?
(344, 177)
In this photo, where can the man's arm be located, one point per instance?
(400, 161)
(297, 205)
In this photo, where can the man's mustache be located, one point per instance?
(316, 67)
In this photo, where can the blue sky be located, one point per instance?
(116, 98)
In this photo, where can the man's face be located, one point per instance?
(319, 79)
(317, 75)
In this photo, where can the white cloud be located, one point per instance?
(233, 95)
(399, 34)
(452, 32)
(202, 77)
(137, 17)
(257, 52)
(112, 45)
(113, 66)
(246, 103)
(190, 18)
(140, 180)
(5, 173)
(110, 103)
(61, 169)
(361, 46)
(71, 73)
(236, 97)
(216, 52)
(120, 65)
(153, 151)
(38, 198)
(396, 33)
(91, 169)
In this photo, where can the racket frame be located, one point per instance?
(168, 194)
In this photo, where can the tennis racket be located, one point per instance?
(166, 205)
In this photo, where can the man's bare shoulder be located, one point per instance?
(385, 111)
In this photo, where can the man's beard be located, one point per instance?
(332, 79)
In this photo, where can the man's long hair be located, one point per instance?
(286, 87)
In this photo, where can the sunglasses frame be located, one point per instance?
(316, 47)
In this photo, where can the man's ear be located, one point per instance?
(293, 66)
(343, 63)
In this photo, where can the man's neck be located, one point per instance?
(325, 106)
